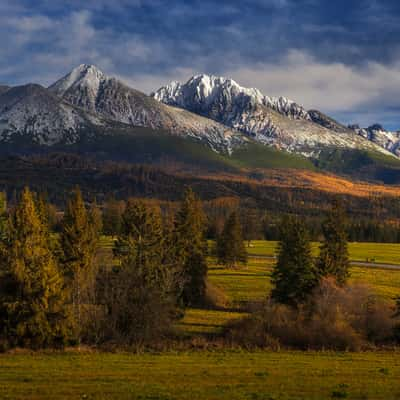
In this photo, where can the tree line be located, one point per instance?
(371, 218)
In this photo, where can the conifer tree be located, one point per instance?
(251, 224)
(141, 238)
(334, 256)
(112, 217)
(141, 300)
(78, 242)
(95, 219)
(295, 275)
(191, 248)
(3, 214)
(33, 310)
(3, 228)
(230, 246)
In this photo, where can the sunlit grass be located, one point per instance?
(374, 252)
(206, 375)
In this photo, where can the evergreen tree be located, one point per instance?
(112, 217)
(140, 294)
(3, 214)
(33, 309)
(3, 229)
(230, 246)
(251, 224)
(295, 275)
(96, 219)
(334, 256)
(191, 248)
(78, 242)
(141, 240)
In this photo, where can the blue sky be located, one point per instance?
(342, 57)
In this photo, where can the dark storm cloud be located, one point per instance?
(341, 56)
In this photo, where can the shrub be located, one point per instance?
(215, 297)
(340, 318)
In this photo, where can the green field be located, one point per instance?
(387, 253)
(252, 282)
(203, 375)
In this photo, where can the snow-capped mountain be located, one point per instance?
(211, 96)
(31, 111)
(216, 111)
(380, 136)
(90, 89)
(278, 122)
(321, 119)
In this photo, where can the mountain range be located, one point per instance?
(230, 123)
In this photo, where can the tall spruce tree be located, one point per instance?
(3, 214)
(295, 275)
(230, 246)
(96, 220)
(191, 248)
(33, 310)
(141, 240)
(140, 294)
(78, 241)
(334, 256)
(112, 217)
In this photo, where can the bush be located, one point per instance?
(215, 297)
(340, 318)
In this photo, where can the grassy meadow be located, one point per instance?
(386, 253)
(198, 375)
(217, 373)
(252, 283)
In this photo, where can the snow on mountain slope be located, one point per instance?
(327, 122)
(207, 94)
(278, 122)
(90, 89)
(42, 117)
(215, 111)
(380, 136)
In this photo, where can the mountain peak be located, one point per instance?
(85, 76)
(202, 91)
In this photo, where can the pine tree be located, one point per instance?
(78, 242)
(334, 256)
(295, 275)
(3, 214)
(191, 248)
(33, 310)
(251, 224)
(230, 246)
(139, 295)
(95, 220)
(112, 217)
(141, 240)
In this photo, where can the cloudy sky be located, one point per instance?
(342, 56)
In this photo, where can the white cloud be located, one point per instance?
(330, 87)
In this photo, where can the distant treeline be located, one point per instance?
(375, 218)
